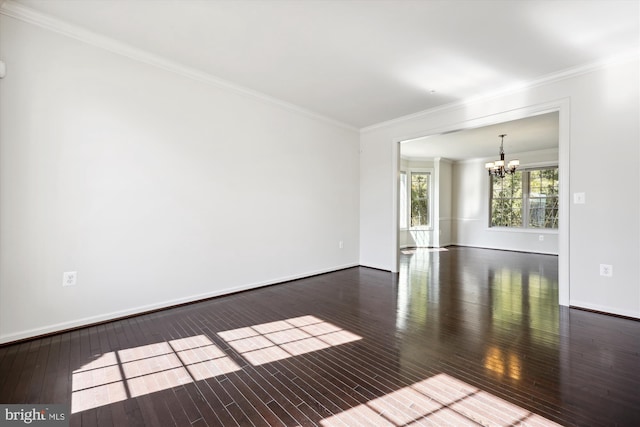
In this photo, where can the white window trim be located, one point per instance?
(431, 172)
(406, 202)
(523, 229)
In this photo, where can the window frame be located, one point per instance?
(404, 208)
(430, 194)
(526, 202)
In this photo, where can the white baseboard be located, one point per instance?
(502, 248)
(604, 308)
(30, 333)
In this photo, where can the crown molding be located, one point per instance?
(543, 80)
(551, 151)
(15, 10)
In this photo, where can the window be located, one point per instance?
(525, 199)
(415, 199)
(506, 202)
(420, 189)
(543, 198)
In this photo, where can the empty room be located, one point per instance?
(320, 212)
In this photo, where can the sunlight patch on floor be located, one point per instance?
(279, 340)
(138, 371)
(119, 375)
(439, 400)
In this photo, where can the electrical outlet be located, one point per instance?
(541, 237)
(69, 278)
(579, 198)
(606, 270)
(341, 244)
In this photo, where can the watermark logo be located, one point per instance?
(35, 415)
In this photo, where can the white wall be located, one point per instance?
(156, 188)
(599, 125)
(471, 209)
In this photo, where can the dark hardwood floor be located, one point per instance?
(460, 337)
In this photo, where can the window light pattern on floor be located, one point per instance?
(123, 374)
(133, 372)
(438, 401)
(282, 339)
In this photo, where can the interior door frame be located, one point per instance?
(562, 106)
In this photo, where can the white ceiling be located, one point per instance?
(534, 133)
(362, 62)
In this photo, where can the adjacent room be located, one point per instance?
(445, 197)
(320, 213)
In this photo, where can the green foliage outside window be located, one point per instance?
(419, 199)
(506, 203)
(525, 199)
(543, 198)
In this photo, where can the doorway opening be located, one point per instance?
(458, 189)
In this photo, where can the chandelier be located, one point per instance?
(498, 168)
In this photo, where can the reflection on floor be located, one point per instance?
(496, 289)
(460, 337)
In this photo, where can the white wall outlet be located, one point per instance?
(69, 278)
(579, 198)
(541, 237)
(341, 244)
(606, 270)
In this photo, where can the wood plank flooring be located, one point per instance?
(461, 336)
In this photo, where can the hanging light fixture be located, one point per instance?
(498, 168)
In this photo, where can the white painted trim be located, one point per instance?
(524, 230)
(432, 197)
(563, 106)
(396, 166)
(502, 248)
(547, 79)
(434, 205)
(445, 160)
(160, 305)
(537, 165)
(522, 153)
(15, 10)
(505, 116)
(604, 309)
(474, 160)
